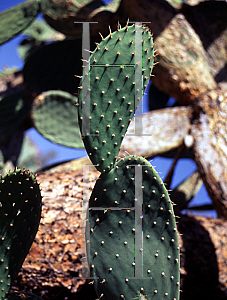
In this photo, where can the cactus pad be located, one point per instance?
(113, 84)
(17, 18)
(55, 116)
(20, 211)
(14, 108)
(113, 214)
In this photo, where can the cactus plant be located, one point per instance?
(20, 212)
(36, 35)
(51, 110)
(122, 207)
(14, 108)
(113, 86)
(113, 225)
(42, 32)
(17, 18)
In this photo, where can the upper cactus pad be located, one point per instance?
(104, 116)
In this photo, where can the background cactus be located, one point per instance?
(36, 35)
(14, 108)
(18, 18)
(29, 157)
(20, 213)
(56, 118)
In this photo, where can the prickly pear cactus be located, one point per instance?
(20, 212)
(127, 202)
(104, 116)
(55, 116)
(14, 108)
(17, 19)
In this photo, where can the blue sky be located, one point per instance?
(10, 58)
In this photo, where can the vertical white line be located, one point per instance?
(138, 222)
(85, 219)
(138, 78)
(86, 81)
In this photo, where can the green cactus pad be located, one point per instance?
(113, 232)
(112, 93)
(27, 47)
(42, 32)
(55, 116)
(16, 19)
(22, 296)
(14, 108)
(37, 34)
(20, 212)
